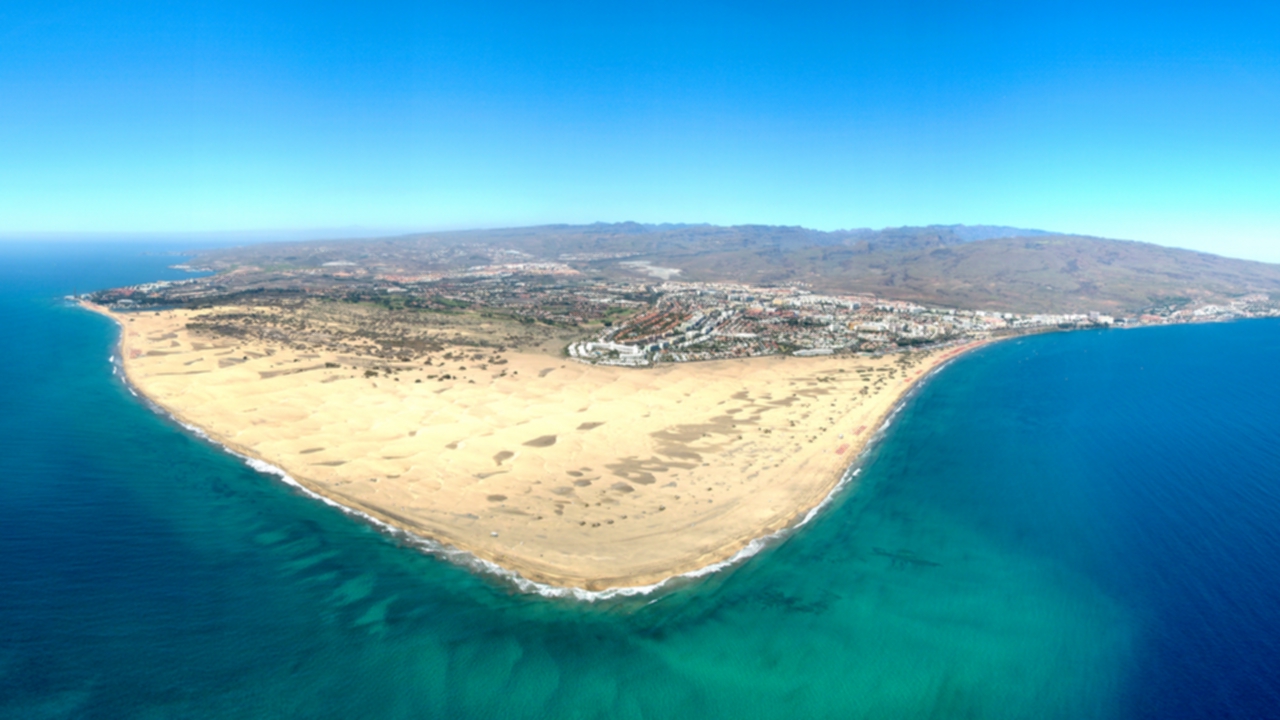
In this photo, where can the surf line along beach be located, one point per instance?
(589, 479)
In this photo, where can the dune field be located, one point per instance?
(569, 474)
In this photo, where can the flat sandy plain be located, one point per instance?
(569, 474)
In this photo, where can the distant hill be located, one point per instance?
(975, 267)
(553, 241)
(1025, 274)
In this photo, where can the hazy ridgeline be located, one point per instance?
(974, 267)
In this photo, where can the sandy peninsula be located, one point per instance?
(568, 474)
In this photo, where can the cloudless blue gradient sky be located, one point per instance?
(1157, 122)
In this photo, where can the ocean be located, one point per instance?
(1072, 525)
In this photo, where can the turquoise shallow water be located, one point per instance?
(1066, 526)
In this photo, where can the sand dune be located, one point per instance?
(569, 474)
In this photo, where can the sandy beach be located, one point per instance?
(568, 474)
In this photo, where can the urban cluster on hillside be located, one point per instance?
(641, 323)
(710, 321)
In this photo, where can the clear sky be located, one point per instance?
(1156, 122)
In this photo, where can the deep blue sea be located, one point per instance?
(1075, 525)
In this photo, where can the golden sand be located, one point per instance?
(568, 474)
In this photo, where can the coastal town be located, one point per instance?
(640, 323)
(712, 321)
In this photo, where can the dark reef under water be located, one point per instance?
(1062, 526)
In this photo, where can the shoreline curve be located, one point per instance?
(727, 555)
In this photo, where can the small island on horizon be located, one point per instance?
(605, 407)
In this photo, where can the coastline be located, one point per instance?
(530, 576)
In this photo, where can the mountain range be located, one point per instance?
(963, 266)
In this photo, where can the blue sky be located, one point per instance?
(1157, 122)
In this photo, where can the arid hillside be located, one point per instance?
(969, 267)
